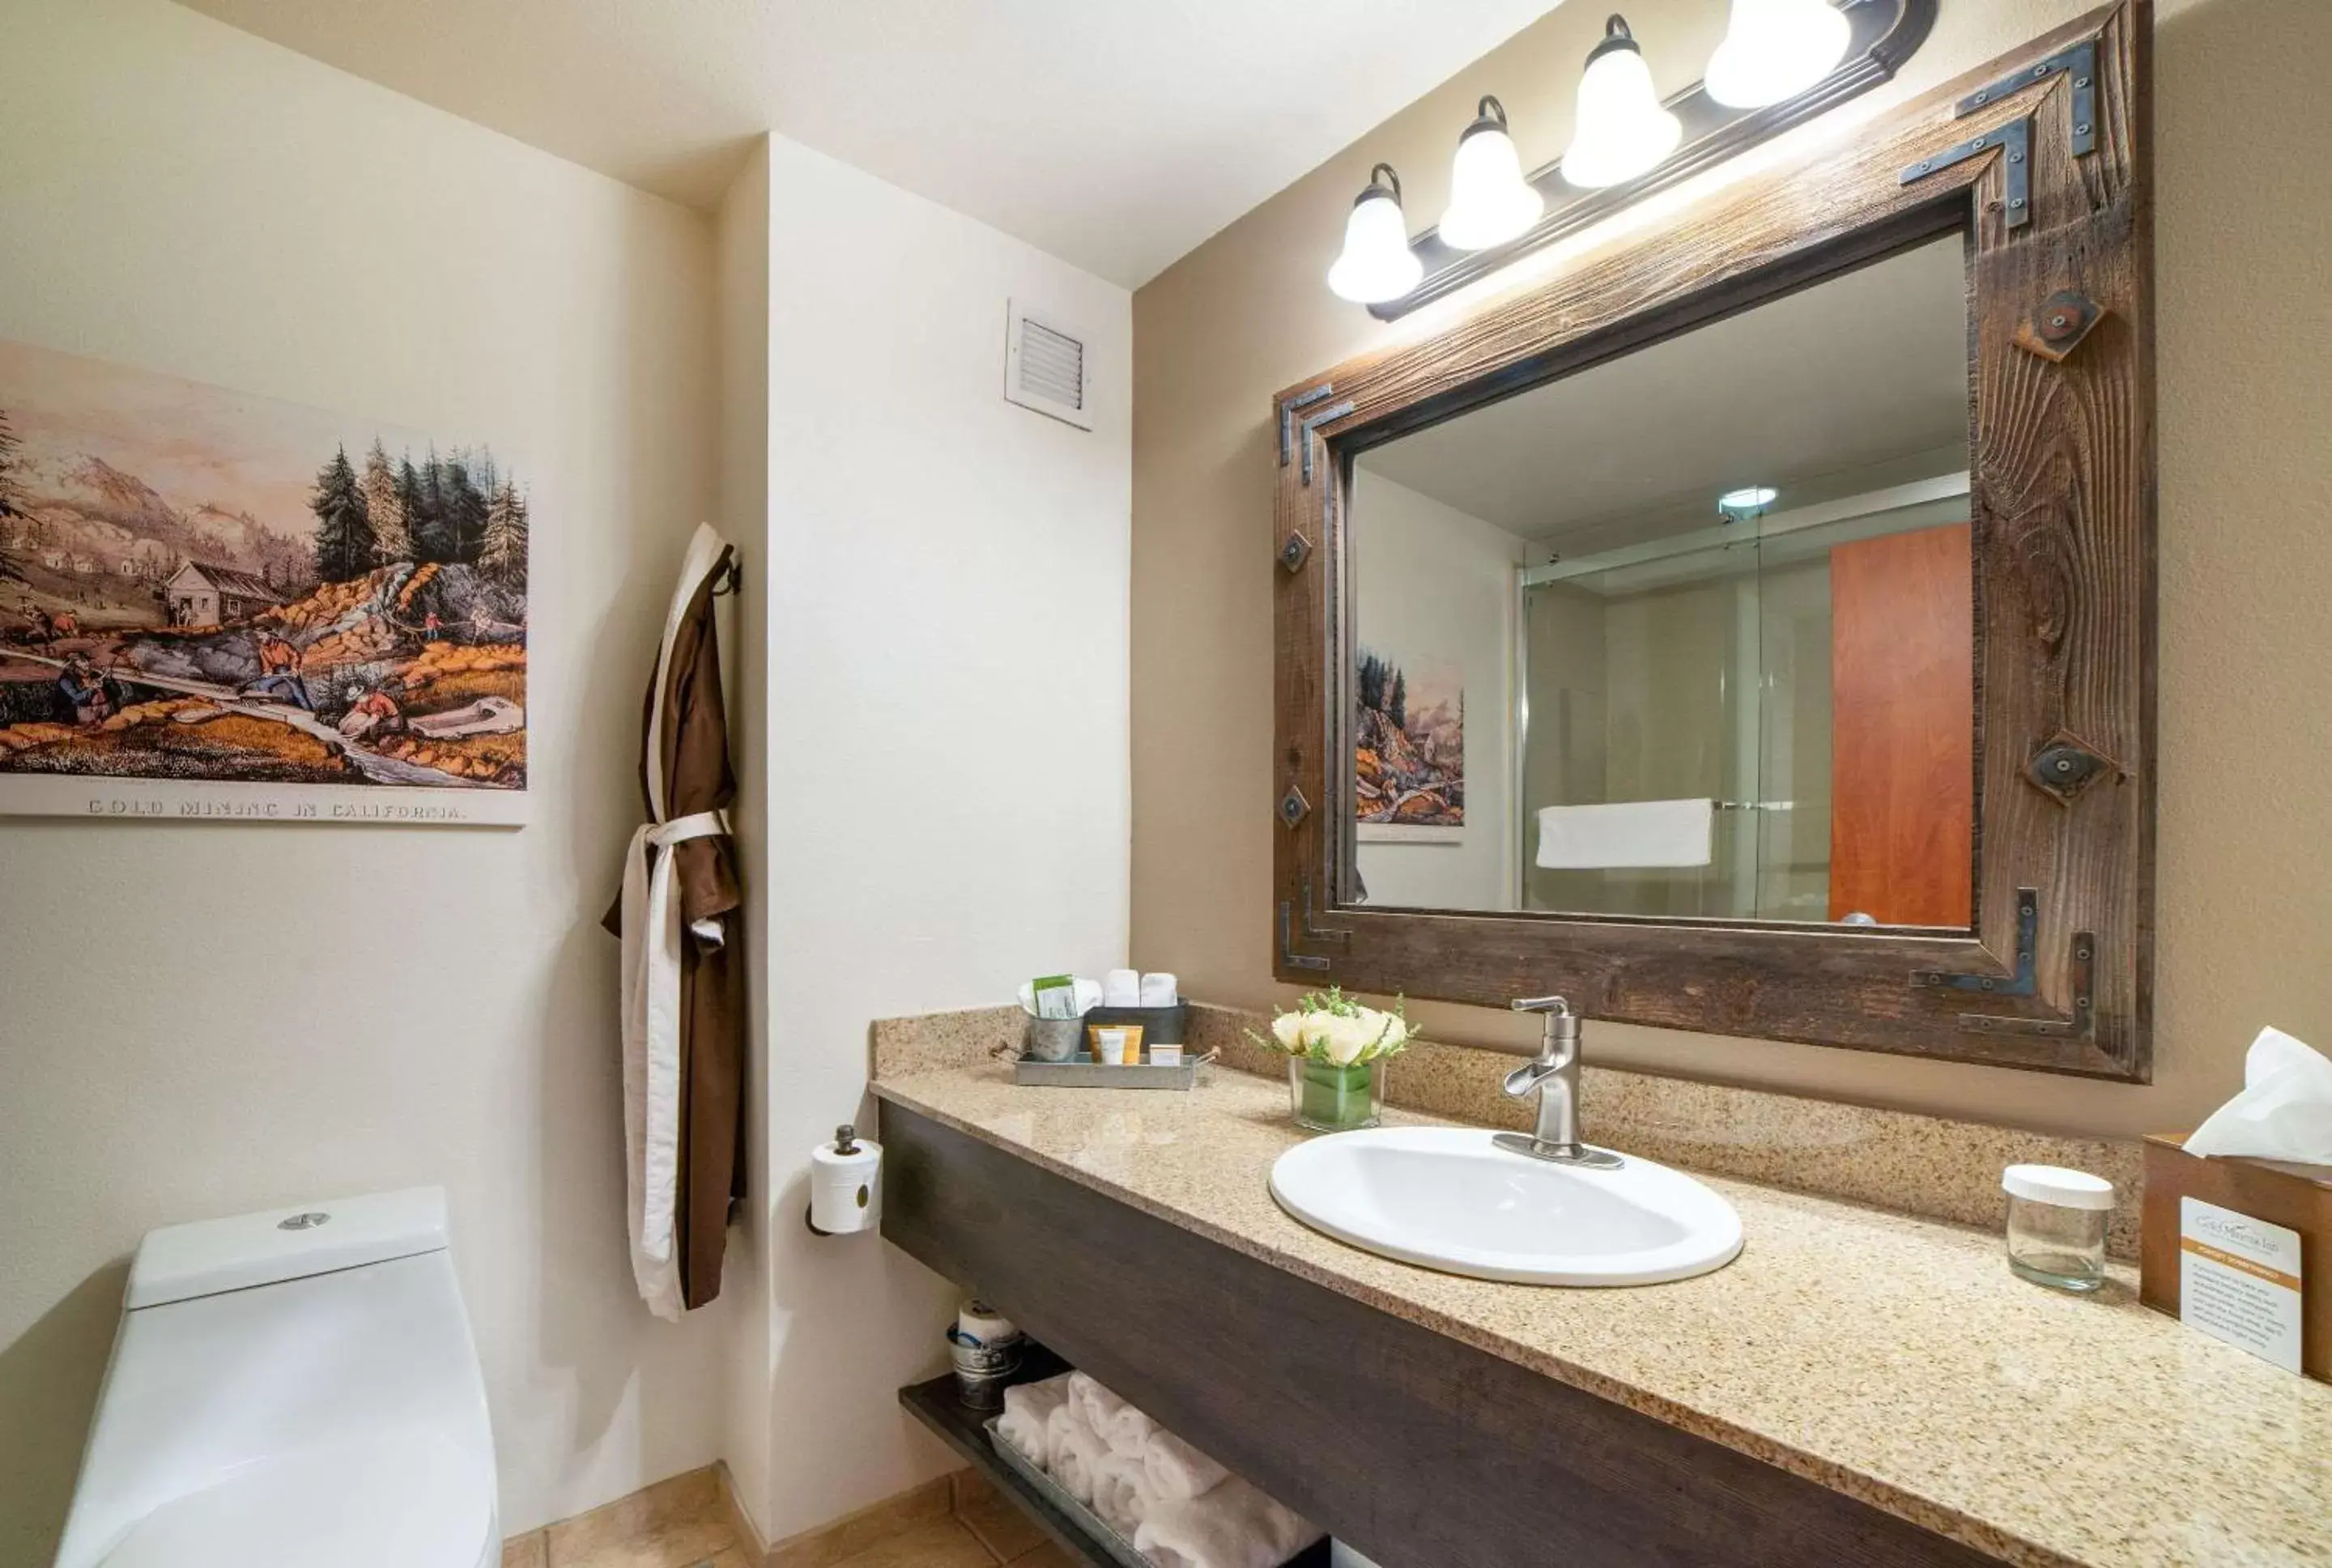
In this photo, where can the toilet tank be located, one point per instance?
(294, 1341)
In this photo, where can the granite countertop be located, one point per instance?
(1891, 1358)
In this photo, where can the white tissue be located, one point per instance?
(2285, 1111)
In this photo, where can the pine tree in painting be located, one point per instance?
(464, 511)
(425, 510)
(503, 558)
(343, 538)
(408, 507)
(1374, 673)
(383, 502)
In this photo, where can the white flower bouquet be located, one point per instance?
(1335, 1046)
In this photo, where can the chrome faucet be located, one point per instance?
(1553, 1076)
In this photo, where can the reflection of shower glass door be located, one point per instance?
(1649, 690)
(1685, 735)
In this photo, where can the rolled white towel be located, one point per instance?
(1077, 1454)
(1125, 1429)
(1123, 1495)
(1128, 1433)
(1093, 1404)
(1027, 1406)
(1231, 1526)
(1059, 1421)
(1177, 1472)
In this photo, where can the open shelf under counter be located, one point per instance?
(962, 1427)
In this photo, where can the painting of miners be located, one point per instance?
(212, 601)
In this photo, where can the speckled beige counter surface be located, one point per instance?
(1892, 1358)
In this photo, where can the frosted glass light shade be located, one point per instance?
(1622, 130)
(1377, 263)
(1490, 202)
(1775, 49)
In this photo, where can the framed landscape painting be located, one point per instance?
(1410, 755)
(215, 606)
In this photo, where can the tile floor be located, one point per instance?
(680, 1524)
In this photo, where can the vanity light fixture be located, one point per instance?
(1620, 130)
(1628, 144)
(1748, 501)
(1377, 263)
(1490, 201)
(1776, 48)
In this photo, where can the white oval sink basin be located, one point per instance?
(1450, 1199)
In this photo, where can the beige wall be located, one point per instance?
(2246, 772)
(201, 1020)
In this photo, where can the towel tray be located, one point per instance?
(1118, 1548)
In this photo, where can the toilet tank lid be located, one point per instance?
(180, 1262)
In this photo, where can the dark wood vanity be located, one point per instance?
(1420, 1450)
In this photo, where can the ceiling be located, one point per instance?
(1116, 135)
(1860, 369)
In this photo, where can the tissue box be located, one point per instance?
(2298, 1197)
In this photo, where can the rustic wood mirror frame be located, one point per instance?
(2043, 160)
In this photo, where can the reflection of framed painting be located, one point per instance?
(216, 606)
(1409, 751)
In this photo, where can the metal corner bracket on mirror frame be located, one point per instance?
(2062, 509)
(1885, 34)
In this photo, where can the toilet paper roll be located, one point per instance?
(845, 1191)
(977, 1321)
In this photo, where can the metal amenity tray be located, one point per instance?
(1028, 1469)
(1081, 1071)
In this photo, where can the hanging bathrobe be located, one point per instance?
(683, 1010)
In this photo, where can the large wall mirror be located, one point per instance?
(1688, 633)
(1750, 627)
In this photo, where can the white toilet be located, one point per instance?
(297, 1387)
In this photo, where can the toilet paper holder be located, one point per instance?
(846, 1147)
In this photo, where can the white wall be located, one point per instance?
(202, 1020)
(1430, 581)
(946, 748)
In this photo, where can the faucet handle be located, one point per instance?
(1562, 1023)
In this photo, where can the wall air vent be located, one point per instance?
(1047, 367)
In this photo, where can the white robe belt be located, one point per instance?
(651, 938)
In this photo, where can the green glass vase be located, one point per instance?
(1329, 1098)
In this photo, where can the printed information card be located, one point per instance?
(2239, 1281)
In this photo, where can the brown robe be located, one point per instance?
(697, 777)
